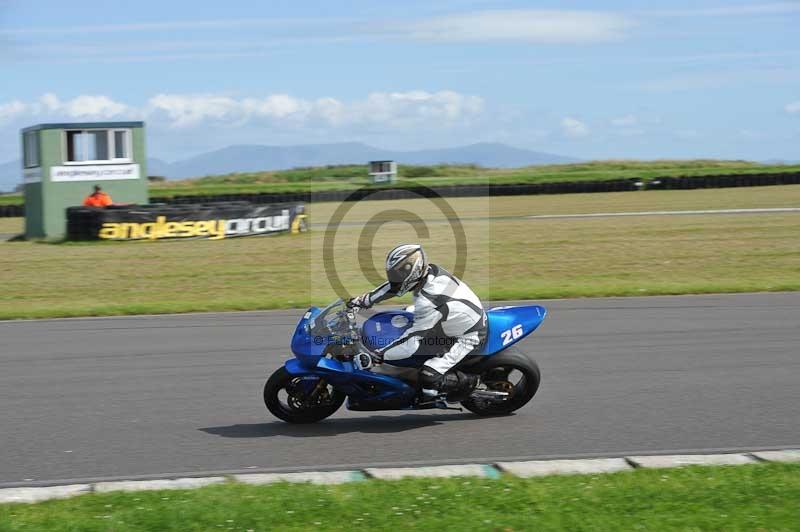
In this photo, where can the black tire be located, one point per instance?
(282, 380)
(523, 391)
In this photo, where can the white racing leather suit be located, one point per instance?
(449, 321)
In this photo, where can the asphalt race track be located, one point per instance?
(164, 395)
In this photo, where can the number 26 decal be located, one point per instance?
(511, 334)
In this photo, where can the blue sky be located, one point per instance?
(596, 80)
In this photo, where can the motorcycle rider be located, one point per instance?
(449, 321)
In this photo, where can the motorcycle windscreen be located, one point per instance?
(508, 325)
(306, 347)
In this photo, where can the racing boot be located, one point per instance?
(455, 385)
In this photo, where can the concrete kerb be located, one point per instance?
(680, 460)
(319, 477)
(30, 495)
(444, 471)
(538, 468)
(165, 484)
(789, 455)
(524, 469)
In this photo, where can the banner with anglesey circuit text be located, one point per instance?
(158, 222)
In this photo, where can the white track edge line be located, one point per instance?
(662, 213)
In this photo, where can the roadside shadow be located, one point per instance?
(335, 427)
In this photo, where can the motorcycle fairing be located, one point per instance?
(506, 326)
(365, 390)
(384, 328)
(509, 325)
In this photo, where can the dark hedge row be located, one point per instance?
(620, 185)
(455, 191)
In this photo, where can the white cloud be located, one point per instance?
(192, 109)
(387, 109)
(49, 105)
(521, 25)
(88, 106)
(181, 124)
(189, 110)
(625, 121)
(331, 110)
(574, 128)
(408, 108)
(12, 109)
(793, 107)
(384, 109)
(278, 106)
(49, 102)
(510, 25)
(84, 106)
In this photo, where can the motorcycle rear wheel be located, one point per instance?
(521, 392)
(293, 408)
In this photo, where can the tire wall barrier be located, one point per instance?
(215, 221)
(12, 211)
(723, 181)
(456, 191)
(460, 191)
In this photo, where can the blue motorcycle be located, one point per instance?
(324, 372)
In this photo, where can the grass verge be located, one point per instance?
(11, 199)
(12, 225)
(507, 258)
(751, 497)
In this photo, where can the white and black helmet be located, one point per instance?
(405, 266)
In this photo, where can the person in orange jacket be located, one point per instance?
(97, 199)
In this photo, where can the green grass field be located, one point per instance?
(753, 497)
(11, 199)
(354, 176)
(350, 177)
(507, 258)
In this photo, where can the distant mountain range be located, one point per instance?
(252, 158)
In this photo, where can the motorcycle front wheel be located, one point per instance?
(513, 374)
(297, 400)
